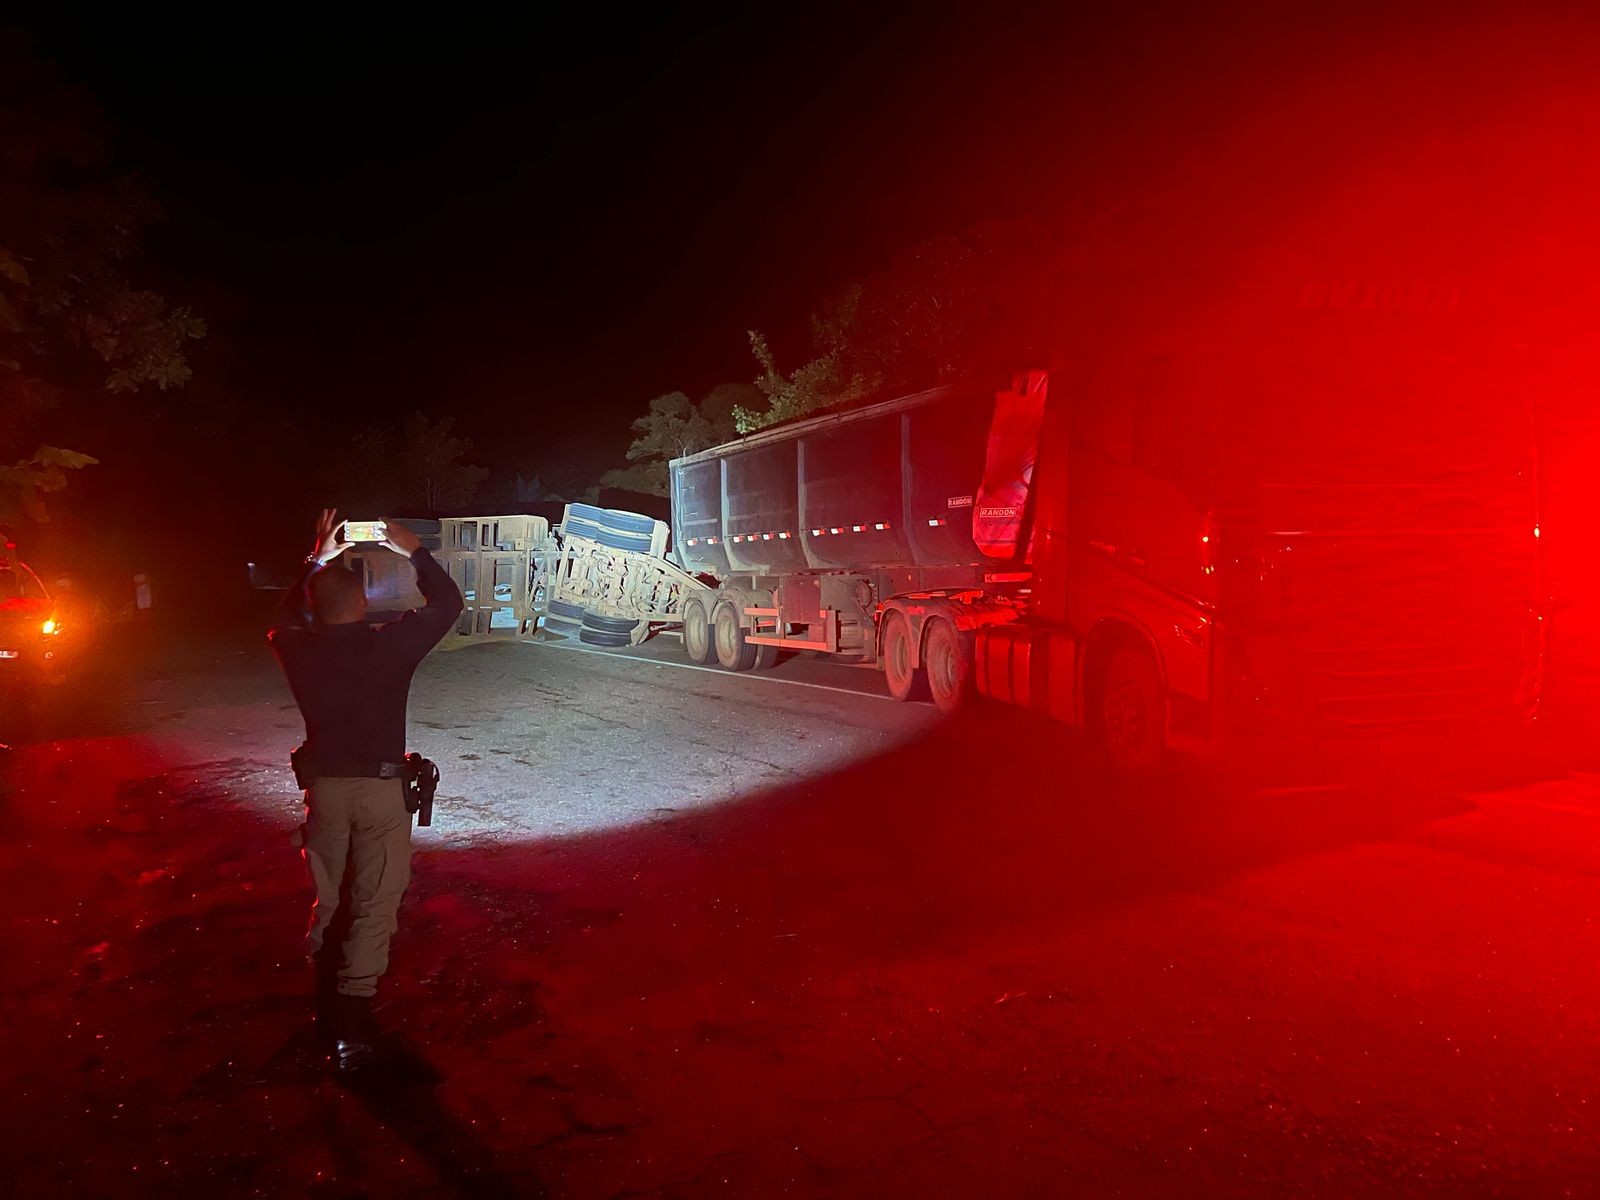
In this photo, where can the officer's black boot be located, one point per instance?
(355, 1033)
(325, 985)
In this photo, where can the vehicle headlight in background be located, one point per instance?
(50, 626)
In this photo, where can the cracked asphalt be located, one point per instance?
(677, 933)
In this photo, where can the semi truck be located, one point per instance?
(1303, 524)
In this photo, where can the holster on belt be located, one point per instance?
(422, 780)
(305, 772)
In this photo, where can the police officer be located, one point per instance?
(351, 681)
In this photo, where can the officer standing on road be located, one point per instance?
(351, 681)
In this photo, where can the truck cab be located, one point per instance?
(1315, 535)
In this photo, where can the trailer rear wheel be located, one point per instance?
(697, 644)
(622, 625)
(906, 682)
(733, 652)
(766, 658)
(948, 660)
(1131, 714)
(560, 615)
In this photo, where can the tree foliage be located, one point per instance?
(531, 490)
(517, 492)
(24, 485)
(674, 426)
(835, 376)
(954, 306)
(419, 465)
(71, 321)
(948, 307)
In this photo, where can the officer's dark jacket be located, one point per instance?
(351, 681)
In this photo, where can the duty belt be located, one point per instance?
(369, 770)
(308, 768)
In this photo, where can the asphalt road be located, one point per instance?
(680, 933)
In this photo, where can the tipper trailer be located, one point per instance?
(1307, 523)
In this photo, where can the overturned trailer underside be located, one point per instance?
(601, 573)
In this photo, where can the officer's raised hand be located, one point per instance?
(400, 539)
(329, 547)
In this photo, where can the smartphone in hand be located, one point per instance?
(365, 531)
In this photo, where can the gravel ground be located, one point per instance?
(682, 934)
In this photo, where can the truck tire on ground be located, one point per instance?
(560, 616)
(733, 652)
(623, 625)
(947, 658)
(905, 681)
(766, 658)
(597, 637)
(697, 643)
(1130, 719)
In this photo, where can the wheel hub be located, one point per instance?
(1124, 716)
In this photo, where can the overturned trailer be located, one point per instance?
(600, 573)
(609, 577)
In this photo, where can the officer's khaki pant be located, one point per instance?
(357, 831)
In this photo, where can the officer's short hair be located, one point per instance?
(337, 593)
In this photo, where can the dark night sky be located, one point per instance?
(539, 226)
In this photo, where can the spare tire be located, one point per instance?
(596, 637)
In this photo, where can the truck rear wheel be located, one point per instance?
(906, 682)
(733, 652)
(948, 661)
(1131, 714)
(697, 644)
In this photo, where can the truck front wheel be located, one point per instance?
(906, 682)
(1131, 714)
(733, 652)
(947, 658)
